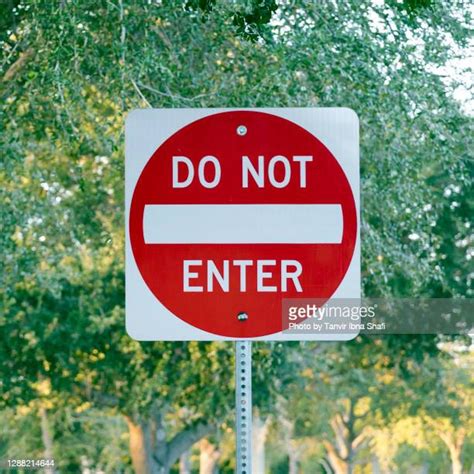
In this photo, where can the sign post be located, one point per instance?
(243, 406)
(236, 219)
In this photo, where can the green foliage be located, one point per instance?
(72, 69)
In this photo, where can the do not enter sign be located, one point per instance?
(229, 212)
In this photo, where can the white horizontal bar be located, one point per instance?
(242, 223)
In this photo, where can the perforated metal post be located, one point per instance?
(243, 406)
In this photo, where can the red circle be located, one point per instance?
(161, 265)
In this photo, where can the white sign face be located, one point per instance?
(238, 219)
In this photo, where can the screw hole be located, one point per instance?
(241, 130)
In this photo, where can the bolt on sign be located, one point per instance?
(231, 211)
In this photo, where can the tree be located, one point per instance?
(443, 412)
(344, 392)
(449, 413)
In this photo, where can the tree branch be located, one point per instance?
(185, 439)
(140, 93)
(18, 64)
(359, 440)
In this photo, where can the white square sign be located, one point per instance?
(236, 218)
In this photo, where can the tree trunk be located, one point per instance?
(208, 457)
(151, 452)
(185, 463)
(375, 465)
(296, 449)
(293, 460)
(259, 437)
(338, 464)
(456, 463)
(347, 442)
(46, 438)
(139, 447)
(455, 442)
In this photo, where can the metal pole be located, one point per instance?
(243, 406)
